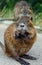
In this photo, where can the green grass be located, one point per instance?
(7, 13)
(37, 18)
(38, 14)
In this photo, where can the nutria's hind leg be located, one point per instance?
(22, 62)
(19, 59)
(28, 57)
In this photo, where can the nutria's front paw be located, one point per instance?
(16, 35)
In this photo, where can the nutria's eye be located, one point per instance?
(31, 18)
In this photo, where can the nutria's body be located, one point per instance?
(20, 46)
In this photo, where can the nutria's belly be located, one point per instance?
(23, 48)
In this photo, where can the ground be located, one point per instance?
(36, 50)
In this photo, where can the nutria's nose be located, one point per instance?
(22, 25)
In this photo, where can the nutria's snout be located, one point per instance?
(22, 27)
(21, 30)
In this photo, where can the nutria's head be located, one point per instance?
(25, 27)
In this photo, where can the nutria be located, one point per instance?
(20, 40)
(22, 8)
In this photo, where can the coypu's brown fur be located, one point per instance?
(19, 47)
